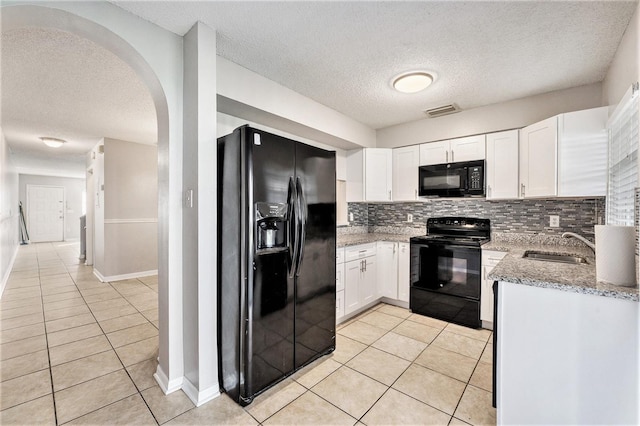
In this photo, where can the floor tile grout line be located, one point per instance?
(118, 355)
(119, 359)
(466, 384)
(469, 381)
(46, 337)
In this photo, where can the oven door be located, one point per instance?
(446, 268)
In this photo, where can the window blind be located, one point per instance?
(623, 160)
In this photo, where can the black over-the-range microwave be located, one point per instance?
(464, 179)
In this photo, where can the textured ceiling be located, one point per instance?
(341, 54)
(57, 84)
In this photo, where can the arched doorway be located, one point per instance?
(156, 56)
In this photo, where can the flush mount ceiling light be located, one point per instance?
(412, 82)
(53, 142)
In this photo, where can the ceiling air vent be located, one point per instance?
(441, 110)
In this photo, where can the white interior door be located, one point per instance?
(45, 209)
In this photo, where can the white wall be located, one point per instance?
(97, 198)
(200, 226)
(8, 212)
(491, 118)
(625, 67)
(245, 94)
(73, 188)
(127, 203)
(228, 123)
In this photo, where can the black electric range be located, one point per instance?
(446, 269)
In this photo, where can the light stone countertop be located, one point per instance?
(581, 278)
(347, 240)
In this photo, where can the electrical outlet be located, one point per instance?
(350, 217)
(554, 221)
(409, 217)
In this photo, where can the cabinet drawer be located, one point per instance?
(360, 252)
(340, 255)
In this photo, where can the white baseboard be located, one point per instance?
(123, 276)
(5, 278)
(200, 397)
(395, 302)
(166, 385)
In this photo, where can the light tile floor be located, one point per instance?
(75, 350)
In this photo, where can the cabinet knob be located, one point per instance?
(389, 195)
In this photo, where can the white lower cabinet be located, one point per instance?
(490, 259)
(339, 283)
(370, 272)
(388, 272)
(367, 286)
(404, 254)
(360, 281)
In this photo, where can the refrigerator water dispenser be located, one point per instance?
(271, 225)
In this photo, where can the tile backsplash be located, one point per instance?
(509, 216)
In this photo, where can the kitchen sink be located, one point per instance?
(554, 257)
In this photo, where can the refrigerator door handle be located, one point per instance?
(302, 206)
(293, 237)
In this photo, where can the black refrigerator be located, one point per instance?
(276, 259)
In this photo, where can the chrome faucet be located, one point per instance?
(581, 238)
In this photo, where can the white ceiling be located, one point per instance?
(57, 84)
(341, 54)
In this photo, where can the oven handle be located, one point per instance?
(445, 244)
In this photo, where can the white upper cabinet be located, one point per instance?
(434, 153)
(582, 153)
(468, 149)
(538, 159)
(369, 175)
(405, 173)
(452, 151)
(502, 165)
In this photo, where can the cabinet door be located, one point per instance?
(467, 149)
(340, 276)
(339, 304)
(538, 159)
(434, 153)
(405, 173)
(404, 254)
(378, 174)
(351, 286)
(355, 175)
(368, 281)
(486, 296)
(502, 165)
(386, 257)
(582, 153)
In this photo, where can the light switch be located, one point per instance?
(409, 217)
(188, 198)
